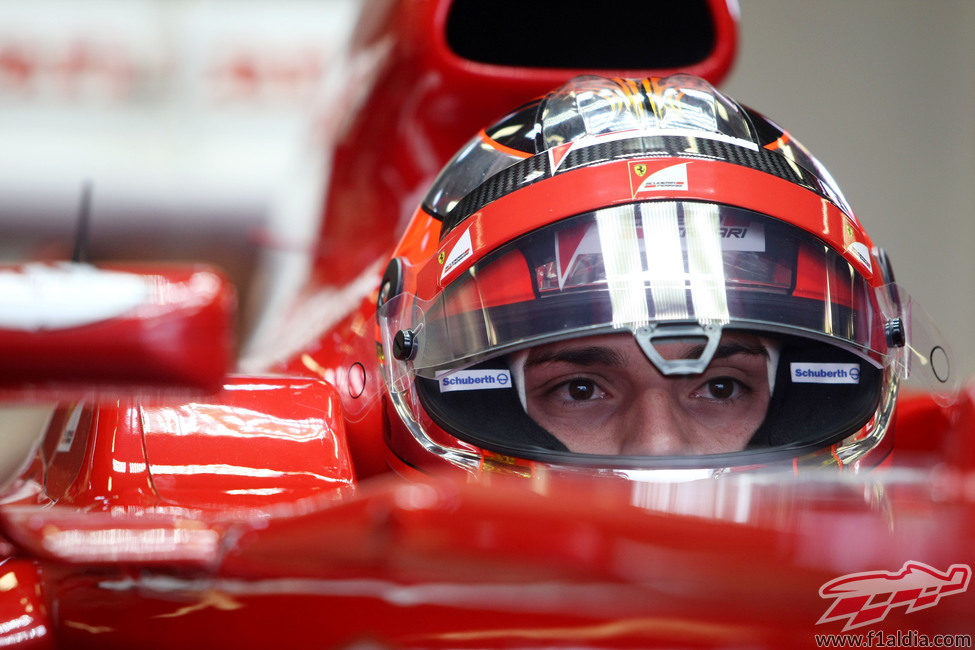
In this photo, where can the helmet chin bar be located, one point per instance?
(649, 336)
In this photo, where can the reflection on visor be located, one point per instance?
(659, 263)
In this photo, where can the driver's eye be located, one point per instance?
(721, 388)
(581, 389)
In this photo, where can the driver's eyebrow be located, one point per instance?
(582, 356)
(726, 350)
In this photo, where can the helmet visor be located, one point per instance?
(645, 267)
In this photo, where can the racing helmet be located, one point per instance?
(620, 239)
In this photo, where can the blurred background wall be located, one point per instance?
(882, 91)
(201, 125)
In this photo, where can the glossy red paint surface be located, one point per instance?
(263, 441)
(26, 620)
(161, 327)
(259, 442)
(534, 562)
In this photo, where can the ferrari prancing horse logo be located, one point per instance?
(669, 177)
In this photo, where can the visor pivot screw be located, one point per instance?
(404, 345)
(894, 331)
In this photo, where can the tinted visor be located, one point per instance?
(645, 267)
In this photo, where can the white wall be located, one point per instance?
(883, 92)
(200, 125)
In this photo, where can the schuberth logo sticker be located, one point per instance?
(642, 179)
(824, 373)
(473, 380)
(867, 597)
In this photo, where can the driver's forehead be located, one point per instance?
(620, 349)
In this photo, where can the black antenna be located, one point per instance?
(80, 254)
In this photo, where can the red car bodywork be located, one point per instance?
(264, 514)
